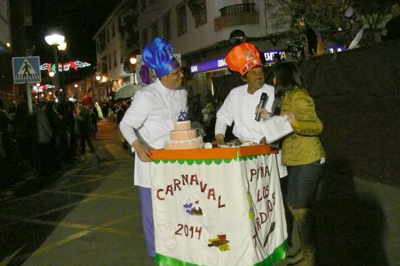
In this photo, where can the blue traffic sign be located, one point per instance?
(26, 69)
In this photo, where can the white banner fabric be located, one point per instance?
(218, 212)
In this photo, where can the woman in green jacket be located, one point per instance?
(302, 152)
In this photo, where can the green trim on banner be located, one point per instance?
(208, 161)
(162, 260)
(278, 255)
(198, 162)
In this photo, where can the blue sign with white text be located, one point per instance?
(26, 69)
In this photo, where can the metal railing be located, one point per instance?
(237, 9)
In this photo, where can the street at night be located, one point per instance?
(199, 132)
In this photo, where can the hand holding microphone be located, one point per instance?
(261, 105)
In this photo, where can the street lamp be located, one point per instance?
(133, 61)
(55, 39)
(76, 91)
(62, 46)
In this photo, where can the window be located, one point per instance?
(144, 37)
(101, 42)
(143, 5)
(107, 34)
(115, 58)
(181, 18)
(167, 25)
(113, 29)
(200, 17)
(154, 29)
(109, 62)
(122, 55)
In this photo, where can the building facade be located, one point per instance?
(113, 50)
(15, 16)
(199, 30)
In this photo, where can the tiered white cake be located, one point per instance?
(183, 137)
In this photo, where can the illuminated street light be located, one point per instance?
(51, 74)
(133, 60)
(62, 46)
(98, 77)
(54, 39)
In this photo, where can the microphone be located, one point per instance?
(263, 101)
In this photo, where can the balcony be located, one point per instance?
(236, 15)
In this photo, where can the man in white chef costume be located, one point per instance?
(149, 120)
(241, 103)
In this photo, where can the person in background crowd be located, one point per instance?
(211, 104)
(85, 128)
(351, 28)
(120, 110)
(392, 28)
(105, 109)
(307, 41)
(44, 140)
(149, 120)
(94, 117)
(67, 125)
(6, 146)
(99, 111)
(302, 153)
(55, 122)
(25, 130)
(78, 120)
(195, 115)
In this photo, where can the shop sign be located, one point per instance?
(220, 63)
(337, 48)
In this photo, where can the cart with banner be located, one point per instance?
(220, 206)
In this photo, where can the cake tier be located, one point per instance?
(183, 144)
(182, 125)
(183, 134)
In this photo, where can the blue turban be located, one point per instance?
(158, 55)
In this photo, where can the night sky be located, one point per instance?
(78, 19)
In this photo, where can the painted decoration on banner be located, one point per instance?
(145, 74)
(228, 213)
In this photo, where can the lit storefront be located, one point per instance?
(204, 74)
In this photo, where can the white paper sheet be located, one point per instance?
(275, 127)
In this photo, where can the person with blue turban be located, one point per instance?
(150, 118)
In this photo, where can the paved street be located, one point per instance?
(90, 216)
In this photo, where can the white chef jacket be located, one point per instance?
(153, 111)
(240, 106)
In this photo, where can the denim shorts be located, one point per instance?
(303, 182)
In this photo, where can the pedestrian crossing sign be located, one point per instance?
(26, 69)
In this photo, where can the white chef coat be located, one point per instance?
(153, 111)
(240, 106)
